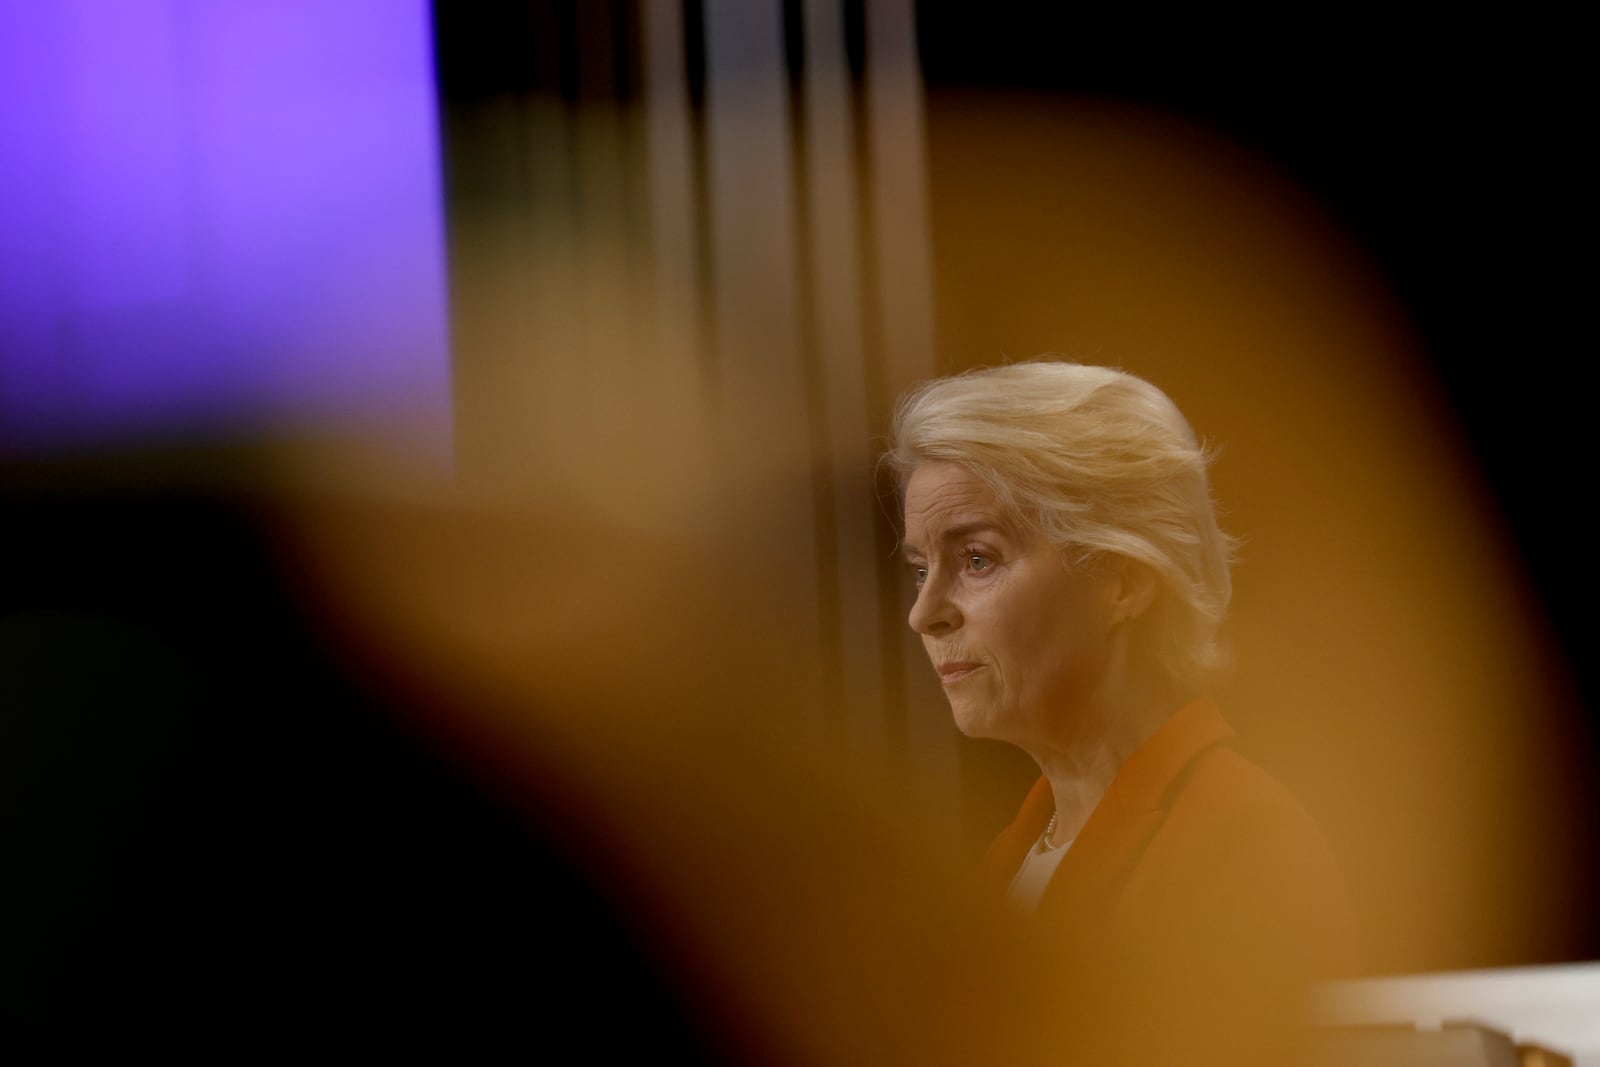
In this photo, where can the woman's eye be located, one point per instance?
(919, 574)
(979, 563)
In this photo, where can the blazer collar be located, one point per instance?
(1149, 774)
(1125, 819)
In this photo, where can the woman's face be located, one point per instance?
(1018, 638)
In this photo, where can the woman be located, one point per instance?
(1071, 580)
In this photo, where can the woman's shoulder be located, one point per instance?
(1247, 860)
(1227, 801)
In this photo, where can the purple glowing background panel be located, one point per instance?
(218, 217)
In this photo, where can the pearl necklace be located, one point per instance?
(1048, 830)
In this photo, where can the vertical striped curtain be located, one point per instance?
(690, 274)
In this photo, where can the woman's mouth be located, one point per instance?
(953, 671)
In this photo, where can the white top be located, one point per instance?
(1038, 867)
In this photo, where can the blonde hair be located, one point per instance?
(1103, 463)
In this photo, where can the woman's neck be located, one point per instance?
(1081, 769)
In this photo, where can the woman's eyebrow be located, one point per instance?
(959, 532)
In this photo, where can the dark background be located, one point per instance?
(1451, 149)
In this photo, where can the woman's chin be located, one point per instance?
(975, 721)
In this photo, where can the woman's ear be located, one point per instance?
(1131, 588)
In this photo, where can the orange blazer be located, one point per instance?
(1198, 875)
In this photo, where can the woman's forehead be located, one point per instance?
(946, 499)
(941, 486)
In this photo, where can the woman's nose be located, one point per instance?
(933, 612)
